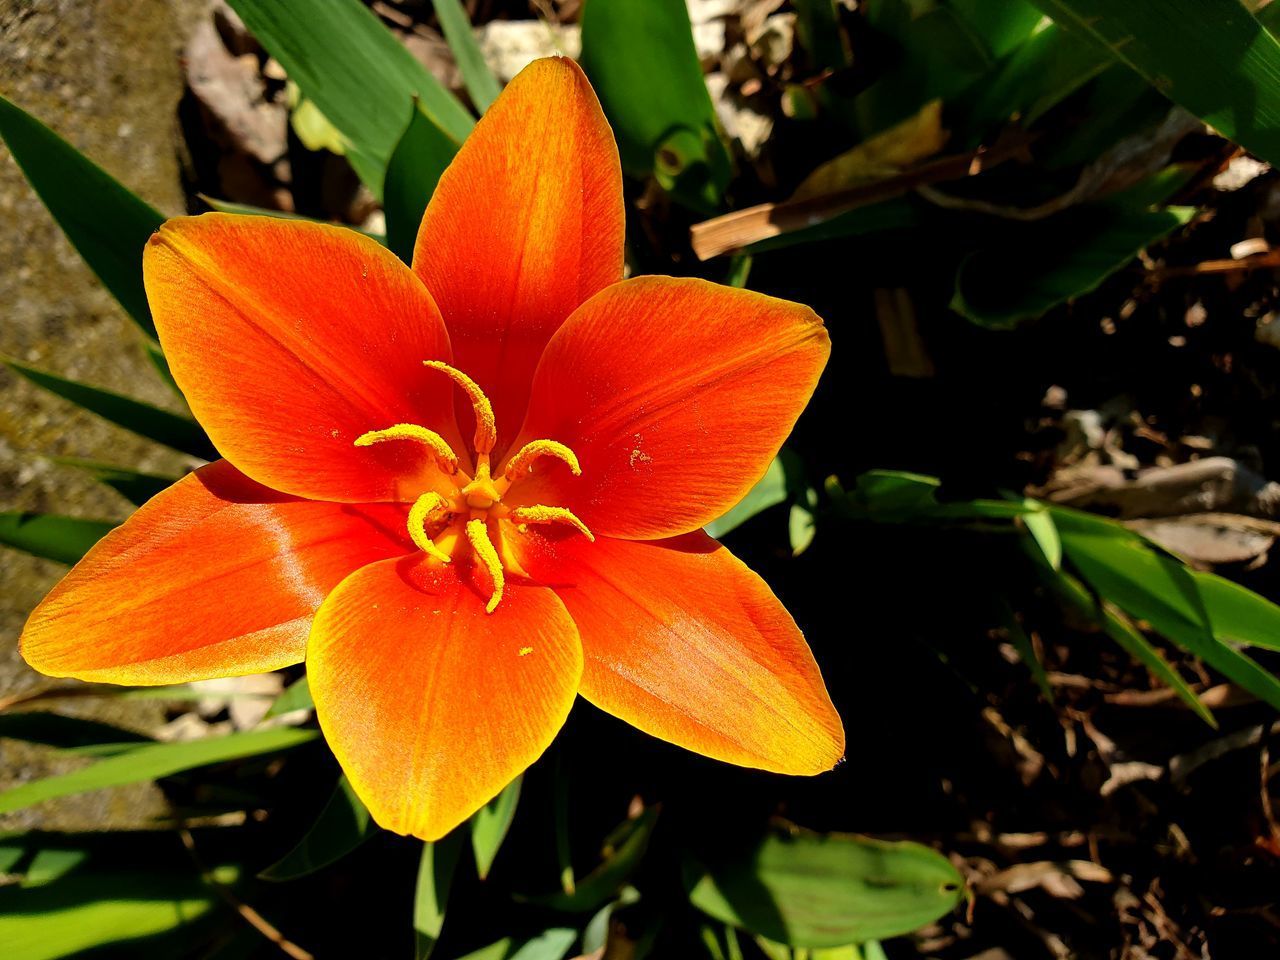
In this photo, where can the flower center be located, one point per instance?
(472, 516)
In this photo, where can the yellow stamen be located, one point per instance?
(478, 534)
(531, 451)
(486, 426)
(411, 431)
(429, 507)
(540, 514)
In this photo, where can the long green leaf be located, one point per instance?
(415, 167)
(107, 224)
(1210, 56)
(811, 890)
(153, 761)
(642, 62)
(65, 539)
(482, 86)
(435, 877)
(490, 824)
(1136, 645)
(171, 429)
(1237, 614)
(356, 72)
(341, 827)
(65, 733)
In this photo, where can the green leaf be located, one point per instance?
(133, 485)
(107, 224)
(1237, 614)
(482, 86)
(601, 884)
(1135, 644)
(1149, 585)
(64, 733)
(65, 539)
(551, 944)
(642, 62)
(1211, 57)
(1039, 523)
(1003, 26)
(341, 827)
(171, 429)
(356, 72)
(412, 174)
(815, 890)
(153, 761)
(769, 491)
(490, 824)
(820, 34)
(68, 915)
(435, 876)
(1055, 260)
(297, 696)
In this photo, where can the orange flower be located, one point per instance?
(451, 598)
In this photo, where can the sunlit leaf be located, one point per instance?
(551, 944)
(482, 86)
(356, 72)
(769, 490)
(811, 890)
(172, 429)
(1237, 614)
(341, 827)
(435, 876)
(642, 62)
(65, 539)
(297, 696)
(490, 824)
(153, 761)
(1210, 56)
(107, 224)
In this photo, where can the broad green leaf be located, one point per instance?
(56, 730)
(1211, 57)
(133, 485)
(482, 86)
(415, 167)
(356, 72)
(72, 914)
(172, 429)
(341, 827)
(1237, 614)
(1055, 260)
(490, 824)
(1041, 73)
(435, 876)
(769, 491)
(602, 883)
(641, 60)
(153, 761)
(297, 696)
(107, 224)
(65, 539)
(813, 890)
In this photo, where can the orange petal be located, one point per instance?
(682, 640)
(525, 225)
(431, 705)
(675, 395)
(216, 576)
(290, 340)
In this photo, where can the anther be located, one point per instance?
(486, 426)
(430, 506)
(411, 431)
(478, 534)
(541, 514)
(534, 449)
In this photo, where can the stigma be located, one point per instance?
(465, 523)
